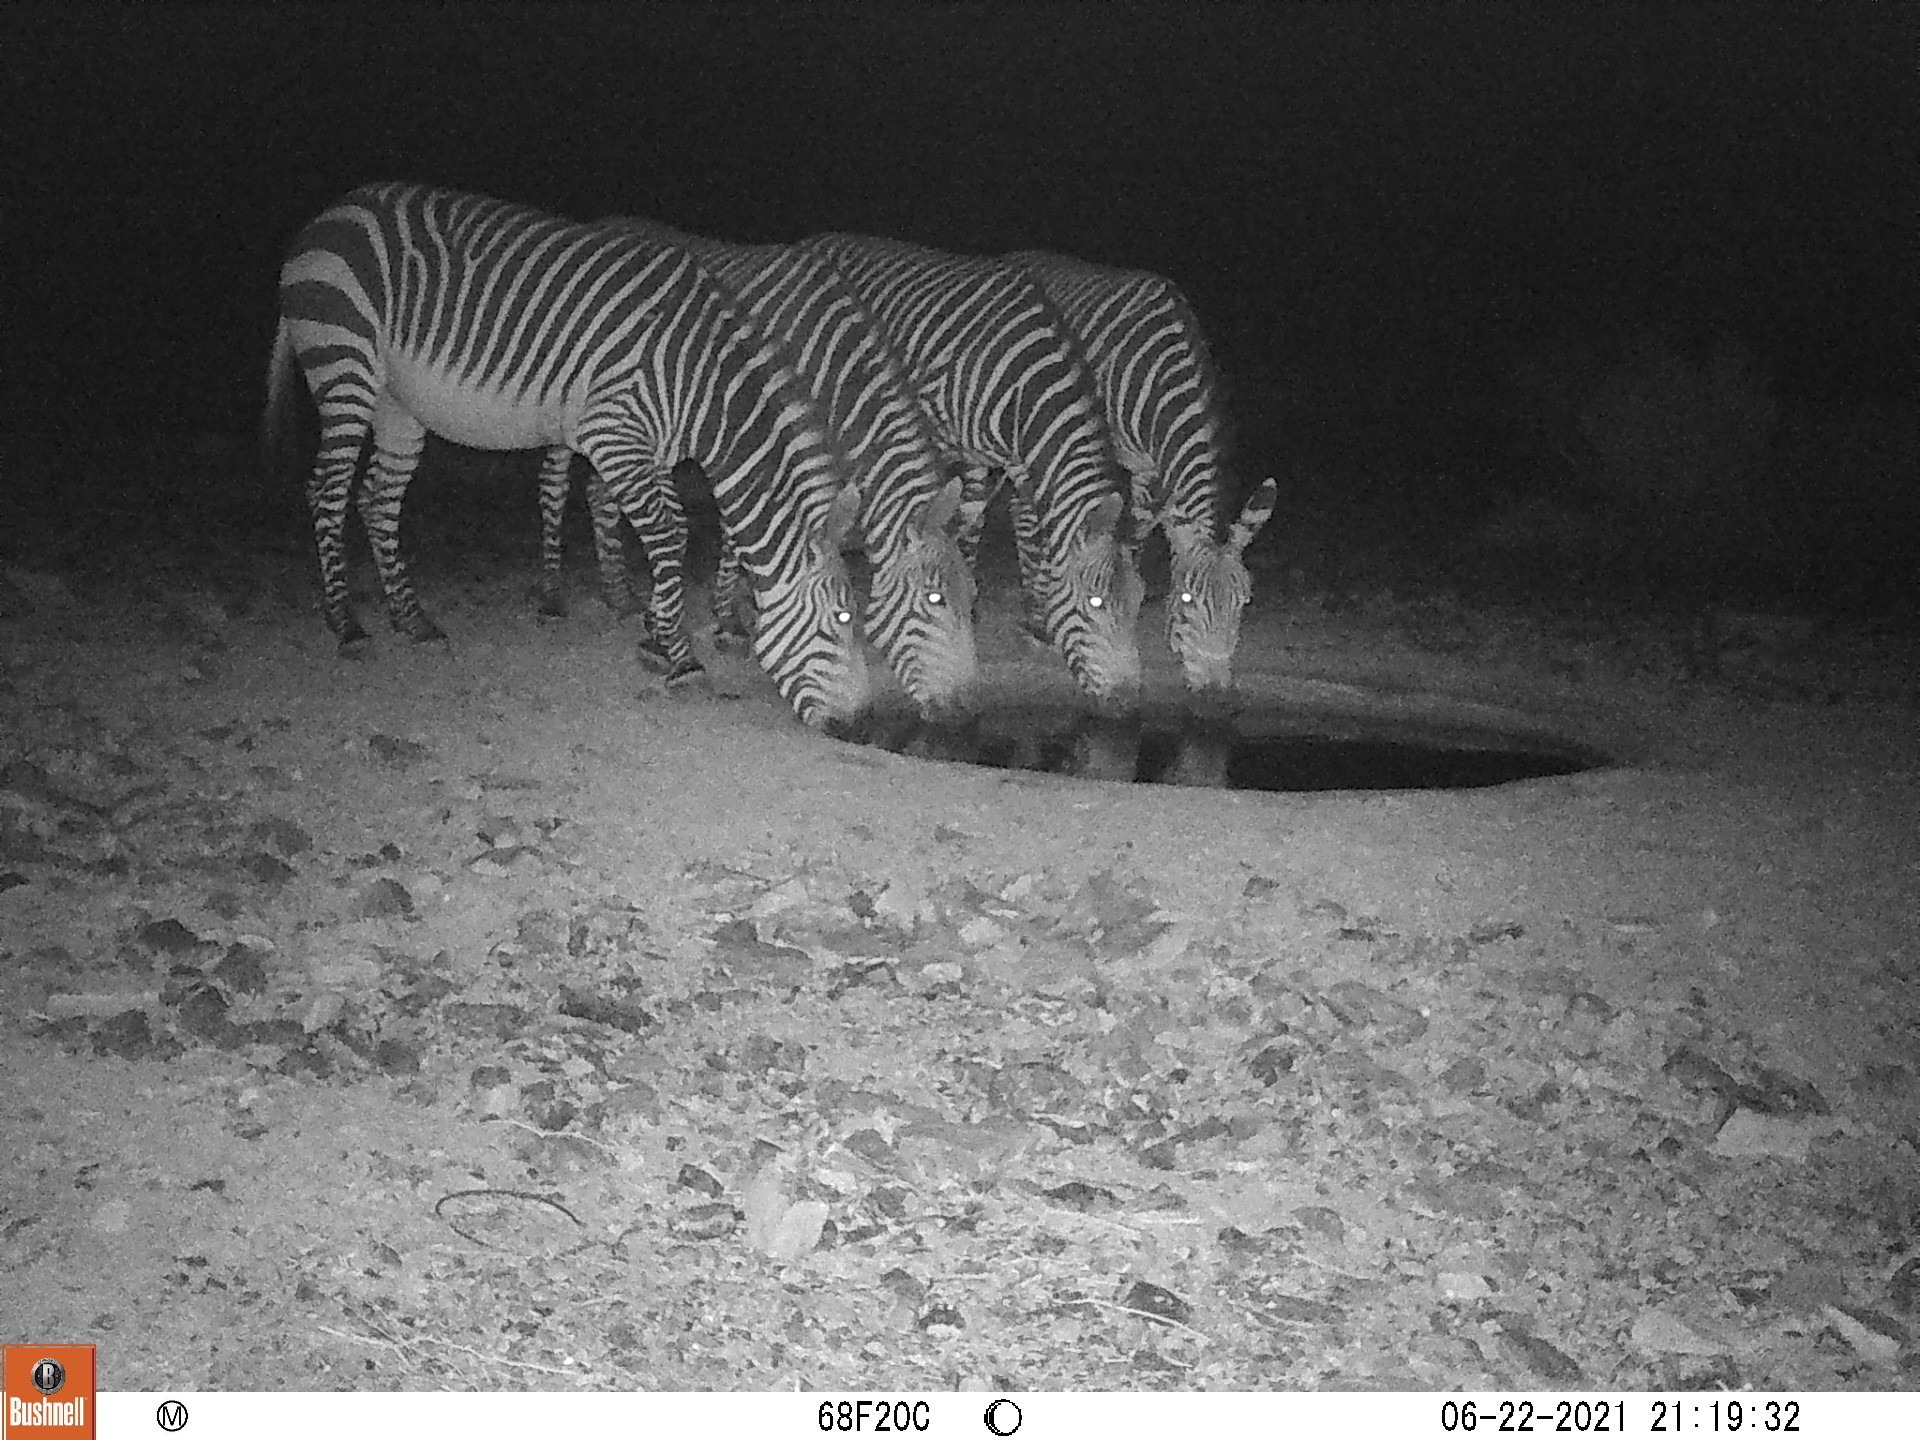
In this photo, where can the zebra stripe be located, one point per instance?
(919, 611)
(1005, 386)
(1156, 380)
(499, 327)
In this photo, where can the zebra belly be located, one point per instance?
(470, 415)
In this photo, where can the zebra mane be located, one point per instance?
(780, 372)
(783, 379)
(650, 228)
(1214, 385)
(1070, 340)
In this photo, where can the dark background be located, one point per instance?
(1381, 212)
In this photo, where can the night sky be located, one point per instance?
(1379, 211)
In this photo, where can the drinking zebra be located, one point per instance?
(1156, 380)
(919, 610)
(1007, 388)
(500, 327)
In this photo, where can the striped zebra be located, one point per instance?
(1156, 381)
(499, 327)
(919, 611)
(1006, 387)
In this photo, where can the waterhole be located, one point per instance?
(1252, 749)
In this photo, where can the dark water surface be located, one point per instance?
(1251, 750)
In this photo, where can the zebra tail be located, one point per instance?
(278, 459)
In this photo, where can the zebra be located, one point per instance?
(1156, 381)
(1006, 387)
(497, 326)
(919, 610)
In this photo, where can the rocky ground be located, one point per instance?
(487, 1017)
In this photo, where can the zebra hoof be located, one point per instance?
(686, 678)
(350, 632)
(426, 633)
(654, 656)
(549, 607)
(730, 637)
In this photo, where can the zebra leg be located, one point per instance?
(343, 433)
(1148, 510)
(555, 472)
(615, 584)
(731, 624)
(398, 439)
(652, 507)
(554, 466)
(978, 486)
(1030, 547)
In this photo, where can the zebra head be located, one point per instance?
(920, 609)
(806, 637)
(1210, 587)
(1093, 605)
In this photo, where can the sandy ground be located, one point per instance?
(487, 1017)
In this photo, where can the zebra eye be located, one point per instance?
(1094, 602)
(843, 617)
(935, 597)
(1186, 597)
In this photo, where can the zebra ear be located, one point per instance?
(1258, 510)
(1103, 519)
(940, 510)
(840, 518)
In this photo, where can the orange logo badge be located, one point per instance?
(46, 1392)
